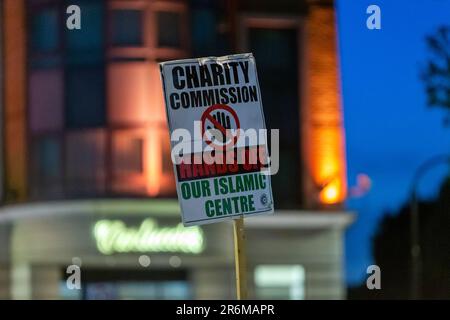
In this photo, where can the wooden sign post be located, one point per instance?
(240, 258)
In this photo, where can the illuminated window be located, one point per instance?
(171, 32)
(128, 92)
(128, 161)
(86, 44)
(46, 100)
(95, 93)
(46, 167)
(280, 282)
(205, 39)
(128, 154)
(127, 27)
(147, 30)
(45, 30)
(137, 290)
(169, 29)
(85, 162)
(85, 97)
(48, 158)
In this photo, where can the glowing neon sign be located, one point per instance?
(113, 236)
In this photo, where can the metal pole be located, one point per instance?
(415, 250)
(415, 247)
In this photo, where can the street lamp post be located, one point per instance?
(415, 250)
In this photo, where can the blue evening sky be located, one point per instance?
(390, 130)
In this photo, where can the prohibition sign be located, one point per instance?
(220, 124)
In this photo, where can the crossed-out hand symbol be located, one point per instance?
(221, 124)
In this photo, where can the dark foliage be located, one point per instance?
(391, 252)
(436, 74)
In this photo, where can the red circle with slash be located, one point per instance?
(207, 115)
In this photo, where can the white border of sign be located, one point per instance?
(246, 56)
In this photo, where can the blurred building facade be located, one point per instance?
(86, 148)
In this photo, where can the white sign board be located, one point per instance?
(218, 138)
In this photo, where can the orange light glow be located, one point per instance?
(128, 89)
(323, 131)
(136, 100)
(329, 194)
(158, 182)
(328, 163)
(153, 162)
